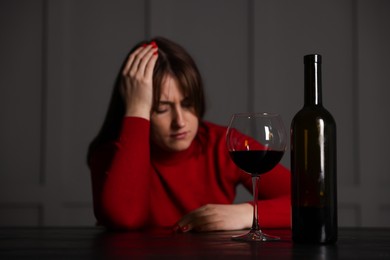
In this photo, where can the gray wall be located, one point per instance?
(59, 59)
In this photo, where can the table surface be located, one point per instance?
(97, 243)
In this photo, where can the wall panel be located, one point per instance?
(374, 121)
(21, 92)
(77, 214)
(349, 215)
(21, 214)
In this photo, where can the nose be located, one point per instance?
(178, 117)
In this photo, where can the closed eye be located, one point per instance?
(162, 108)
(186, 103)
(165, 106)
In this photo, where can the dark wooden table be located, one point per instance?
(96, 243)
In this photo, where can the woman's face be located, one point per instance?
(173, 123)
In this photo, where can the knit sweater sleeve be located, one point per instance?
(120, 173)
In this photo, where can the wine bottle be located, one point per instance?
(313, 164)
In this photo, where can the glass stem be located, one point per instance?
(255, 183)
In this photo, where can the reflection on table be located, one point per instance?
(97, 243)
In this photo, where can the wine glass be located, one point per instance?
(256, 143)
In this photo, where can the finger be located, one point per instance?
(139, 59)
(190, 216)
(203, 211)
(209, 226)
(189, 220)
(184, 224)
(147, 63)
(196, 221)
(181, 228)
(150, 65)
(204, 224)
(131, 59)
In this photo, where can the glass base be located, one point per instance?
(255, 236)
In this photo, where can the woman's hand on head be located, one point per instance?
(137, 81)
(213, 217)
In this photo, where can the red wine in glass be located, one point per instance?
(256, 162)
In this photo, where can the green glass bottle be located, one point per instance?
(313, 164)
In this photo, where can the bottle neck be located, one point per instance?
(313, 94)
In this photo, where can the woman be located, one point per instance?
(156, 163)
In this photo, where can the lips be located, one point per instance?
(179, 136)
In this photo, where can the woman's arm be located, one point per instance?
(120, 174)
(121, 169)
(273, 207)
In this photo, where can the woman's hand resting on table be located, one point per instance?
(137, 81)
(213, 217)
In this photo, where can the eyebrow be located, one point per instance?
(167, 102)
(163, 102)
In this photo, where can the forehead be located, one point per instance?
(170, 89)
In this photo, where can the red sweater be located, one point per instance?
(137, 186)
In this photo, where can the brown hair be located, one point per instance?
(172, 60)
